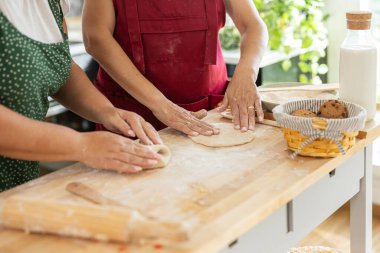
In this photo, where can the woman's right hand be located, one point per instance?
(185, 121)
(105, 150)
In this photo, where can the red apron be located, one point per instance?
(175, 45)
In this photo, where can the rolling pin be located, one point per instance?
(140, 226)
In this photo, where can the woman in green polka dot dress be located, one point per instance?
(31, 70)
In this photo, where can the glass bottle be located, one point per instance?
(358, 63)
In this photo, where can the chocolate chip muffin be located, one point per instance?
(333, 109)
(304, 113)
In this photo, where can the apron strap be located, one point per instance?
(56, 9)
(135, 34)
(212, 32)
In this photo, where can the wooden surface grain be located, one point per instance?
(218, 193)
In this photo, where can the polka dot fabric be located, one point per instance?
(30, 71)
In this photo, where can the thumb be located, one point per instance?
(200, 114)
(224, 105)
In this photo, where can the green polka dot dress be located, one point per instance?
(30, 71)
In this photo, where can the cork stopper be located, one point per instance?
(359, 20)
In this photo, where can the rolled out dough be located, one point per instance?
(227, 114)
(165, 156)
(227, 137)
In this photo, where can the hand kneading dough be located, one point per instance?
(165, 156)
(227, 137)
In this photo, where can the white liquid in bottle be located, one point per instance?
(358, 66)
(358, 63)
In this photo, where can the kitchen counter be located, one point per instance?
(254, 193)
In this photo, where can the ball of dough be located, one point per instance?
(227, 137)
(165, 156)
(304, 113)
(333, 109)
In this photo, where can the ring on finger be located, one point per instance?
(251, 107)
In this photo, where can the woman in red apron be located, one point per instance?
(162, 59)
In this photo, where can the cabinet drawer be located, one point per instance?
(291, 223)
(322, 199)
(269, 236)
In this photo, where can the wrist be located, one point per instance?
(158, 103)
(243, 78)
(106, 113)
(247, 70)
(81, 149)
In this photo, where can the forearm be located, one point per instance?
(253, 46)
(100, 43)
(114, 60)
(27, 139)
(80, 96)
(254, 35)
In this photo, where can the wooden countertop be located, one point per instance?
(223, 192)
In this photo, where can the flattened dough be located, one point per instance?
(165, 156)
(227, 137)
(227, 114)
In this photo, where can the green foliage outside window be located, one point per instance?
(292, 25)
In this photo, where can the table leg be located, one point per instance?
(361, 209)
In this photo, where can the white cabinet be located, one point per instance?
(291, 223)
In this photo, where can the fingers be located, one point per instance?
(235, 114)
(142, 129)
(243, 116)
(134, 160)
(137, 126)
(185, 121)
(206, 127)
(244, 107)
(259, 109)
(122, 167)
(120, 126)
(201, 128)
(139, 150)
(195, 128)
(105, 150)
(251, 117)
(199, 114)
(224, 105)
(184, 128)
(152, 133)
(192, 126)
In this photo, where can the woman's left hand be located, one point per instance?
(244, 99)
(132, 125)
